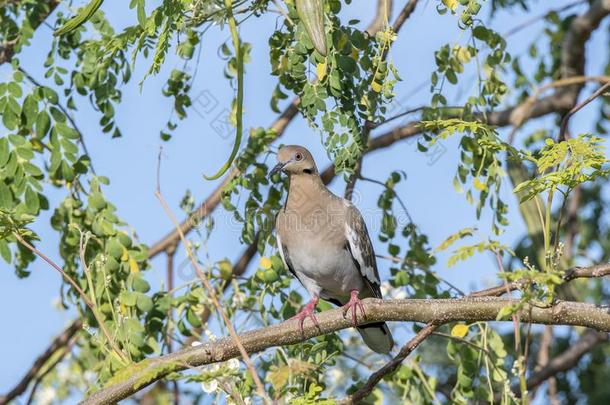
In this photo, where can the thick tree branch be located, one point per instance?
(438, 311)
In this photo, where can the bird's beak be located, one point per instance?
(277, 168)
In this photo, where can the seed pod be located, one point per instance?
(311, 12)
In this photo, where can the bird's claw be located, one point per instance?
(354, 304)
(308, 311)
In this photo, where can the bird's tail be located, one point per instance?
(377, 336)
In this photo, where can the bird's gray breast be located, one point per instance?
(329, 268)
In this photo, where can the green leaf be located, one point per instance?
(462, 233)
(67, 131)
(4, 151)
(144, 302)
(97, 201)
(84, 14)
(139, 284)
(128, 298)
(15, 89)
(5, 251)
(6, 196)
(115, 249)
(32, 202)
(505, 312)
(43, 123)
(192, 318)
(480, 32)
(141, 13)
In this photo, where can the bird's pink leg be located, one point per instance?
(354, 304)
(308, 311)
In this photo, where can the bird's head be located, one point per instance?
(294, 159)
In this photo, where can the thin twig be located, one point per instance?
(211, 292)
(578, 107)
(392, 365)
(534, 20)
(366, 130)
(434, 311)
(283, 12)
(170, 253)
(82, 294)
(401, 261)
(49, 368)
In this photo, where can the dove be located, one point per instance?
(323, 241)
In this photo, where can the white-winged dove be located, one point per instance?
(324, 243)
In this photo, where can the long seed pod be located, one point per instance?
(311, 12)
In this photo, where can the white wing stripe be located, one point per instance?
(354, 241)
(280, 248)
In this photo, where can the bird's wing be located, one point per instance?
(359, 245)
(284, 254)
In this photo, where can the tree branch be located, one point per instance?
(593, 271)
(578, 107)
(433, 311)
(572, 65)
(382, 15)
(211, 292)
(7, 48)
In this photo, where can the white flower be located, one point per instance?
(46, 395)
(63, 372)
(89, 377)
(398, 294)
(238, 298)
(335, 374)
(233, 364)
(209, 386)
(210, 335)
(57, 305)
(196, 343)
(385, 288)
(393, 293)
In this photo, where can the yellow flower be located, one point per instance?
(460, 330)
(265, 263)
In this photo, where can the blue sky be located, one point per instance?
(28, 312)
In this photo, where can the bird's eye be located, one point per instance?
(298, 156)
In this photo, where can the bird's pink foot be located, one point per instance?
(354, 304)
(308, 311)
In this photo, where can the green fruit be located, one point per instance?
(311, 12)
